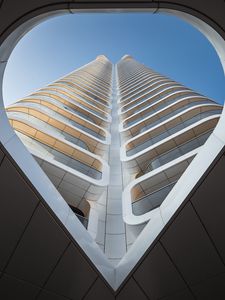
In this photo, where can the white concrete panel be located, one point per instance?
(114, 207)
(115, 246)
(100, 237)
(115, 224)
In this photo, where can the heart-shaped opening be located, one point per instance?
(119, 142)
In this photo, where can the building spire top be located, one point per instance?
(102, 57)
(126, 56)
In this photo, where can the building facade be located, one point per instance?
(114, 140)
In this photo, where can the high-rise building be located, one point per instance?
(114, 141)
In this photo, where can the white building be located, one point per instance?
(114, 140)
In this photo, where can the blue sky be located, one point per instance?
(165, 43)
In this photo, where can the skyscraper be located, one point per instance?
(114, 140)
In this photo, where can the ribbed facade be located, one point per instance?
(66, 128)
(114, 140)
(163, 126)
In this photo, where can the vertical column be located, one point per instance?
(115, 236)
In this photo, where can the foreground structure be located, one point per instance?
(114, 141)
(184, 258)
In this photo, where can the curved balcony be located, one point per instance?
(90, 84)
(75, 164)
(136, 80)
(147, 102)
(101, 81)
(62, 129)
(51, 147)
(135, 83)
(105, 94)
(146, 97)
(159, 104)
(152, 200)
(143, 196)
(96, 81)
(67, 90)
(166, 113)
(147, 88)
(148, 82)
(101, 84)
(169, 148)
(99, 72)
(178, 151)
(76, 188)
(76, 108)
(81, 89)
(66, 87)
(176, 111)
(151, 140)
(62, 114)
(129, 73)
(66, 97)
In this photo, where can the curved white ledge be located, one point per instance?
(146, 86)
(60, 94)
(151, 97)
(185, 98)
(91, 82)
(128, 215)
(64, 91)
(171, 86)
(197, 106)
(59, 138)
(67, 82)
(132, 82)
(91, 78)
(143, 86)
(29, 104)
(103, 182)
(138, 83)
(126, 158)
(75, 80)
(15, 113)
(60, 103)
(181, 97)
(169, 94)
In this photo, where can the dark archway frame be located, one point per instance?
(16, 21)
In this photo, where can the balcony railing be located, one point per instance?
(151, 200)
(177, 152)
(173, 113)
(88, 130)
(159, 107)
(69, 161)
(171, 131)
(74, 93)
(149, 96)
(66, 120)
(83, 220)
(65, 97)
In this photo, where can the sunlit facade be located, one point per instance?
(163, 126)
(114, 140)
